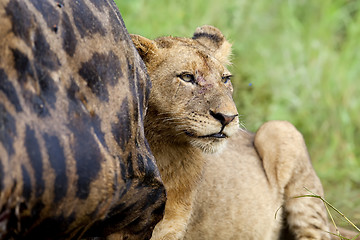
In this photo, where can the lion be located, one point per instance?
(222, 181)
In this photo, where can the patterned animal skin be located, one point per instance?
(74, 161)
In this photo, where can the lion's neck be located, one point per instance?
(180, 165)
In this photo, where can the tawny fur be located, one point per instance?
(221, 188)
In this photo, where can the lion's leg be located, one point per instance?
(306, 216)
(178, 210)
(288, 168)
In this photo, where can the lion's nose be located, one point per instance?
(223, 118)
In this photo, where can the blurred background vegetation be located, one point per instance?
(295, 60)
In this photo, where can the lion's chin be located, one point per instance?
(209, 145)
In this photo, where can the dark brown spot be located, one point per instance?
(58, 163)
(99, 71)
(85, 21)
(34, 154)
(1, 179)
(69, 40)
(7, 129)
(122, 129)
(43, 55)
(22, 65)
(87, 158)
(140, 163)
(21, 19)
(129, 167)
(8, 89)
(26, 193)
(48, 11)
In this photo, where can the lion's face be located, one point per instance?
(191, 98)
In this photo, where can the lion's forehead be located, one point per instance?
(199, 62)
(187, 50)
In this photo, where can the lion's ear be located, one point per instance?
(145, 47)
(212, 38)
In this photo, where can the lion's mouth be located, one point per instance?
(214, 135)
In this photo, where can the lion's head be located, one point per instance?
(191, 98)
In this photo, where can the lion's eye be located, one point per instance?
(187, 77)
(226, 78)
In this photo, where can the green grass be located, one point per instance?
(302, 60)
